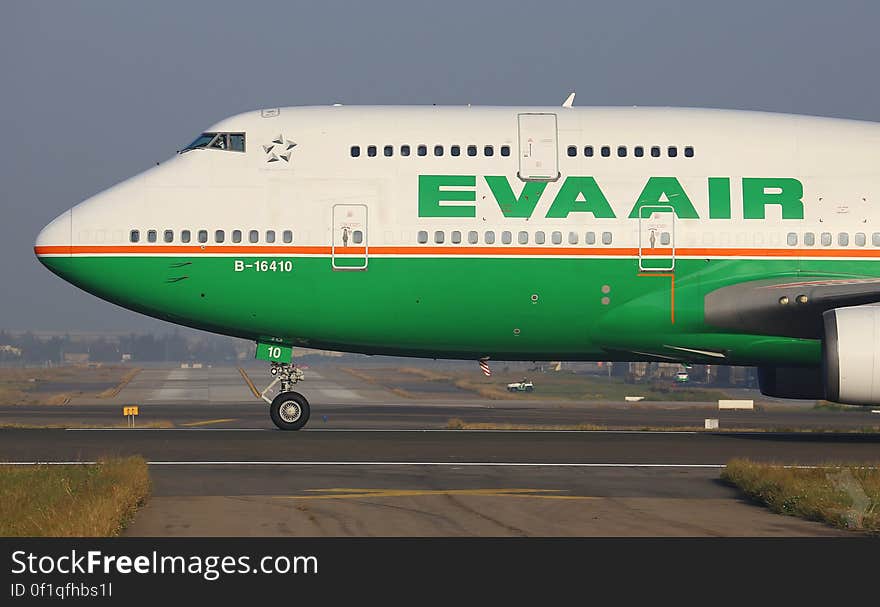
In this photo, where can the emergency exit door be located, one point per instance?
(656, 238)
(538, 149)
(349, 248)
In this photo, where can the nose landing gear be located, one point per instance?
(289, 410)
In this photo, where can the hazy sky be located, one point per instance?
(93, 92)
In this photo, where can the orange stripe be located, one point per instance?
(671, 276)
(454, 250)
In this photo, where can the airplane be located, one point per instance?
(697, 236)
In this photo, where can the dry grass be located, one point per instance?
(459, 424)
(72, 501)
(112, 392)
(846, 496)
(162, 423)
(456, 423)
(57, 385)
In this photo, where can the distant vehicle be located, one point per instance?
(521, 386)
(682, 377)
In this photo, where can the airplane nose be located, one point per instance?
(55, 238)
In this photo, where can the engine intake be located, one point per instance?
(850, 355)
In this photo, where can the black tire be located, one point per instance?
(289, 411)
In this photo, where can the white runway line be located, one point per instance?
(671, 432)
(433, 464)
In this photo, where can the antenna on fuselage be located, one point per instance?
(569, 101)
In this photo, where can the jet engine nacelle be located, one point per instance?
(791, 382)
(851, 355)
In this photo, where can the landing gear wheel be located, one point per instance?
(289, 411)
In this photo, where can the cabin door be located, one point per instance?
(349, 248)
(538, 148)
(656, 238)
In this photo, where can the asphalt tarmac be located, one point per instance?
(372, 464)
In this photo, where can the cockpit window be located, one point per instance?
(234, 142)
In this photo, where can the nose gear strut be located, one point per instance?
(289, 410)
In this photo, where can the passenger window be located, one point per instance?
(151, 235)
(404, 150)
(455, 150)
(472, 150)
(672, 151)
(638, 151)
(388, 150)
(523, 238)
(219, 236)
(664, 238)
(606, 237)
(185, 236)
(203, 236)
(875, 239)
(287, 236)
(826, 239)
(655, 152)
(505, 150)
(590, 238)
(488, 150)
(606, 151)
(621, 151)
(860, 239)
(270, 235)
(355, 151)
(422, 237)
(572, 238)
(539, 237)
(135, 236)
(438, 150)
(371, 150)
(791, 239)
(473, 237)
(357, 237)
(489, 237)
(438, 237)
(456, 237)
(556, 238)
(689, 152)
(236, 235)
(422, 150)
(588, 151)
(843, 239)
(168, 236)
(572, 151)
(809, 239)
(253, 236)
(506, 237)
(236, 142)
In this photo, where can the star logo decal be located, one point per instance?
(279, 149)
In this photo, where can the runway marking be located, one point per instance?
(337, 494)
(350, 463)
(211, 421)
(386, 430)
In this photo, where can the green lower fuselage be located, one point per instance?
(468, 307)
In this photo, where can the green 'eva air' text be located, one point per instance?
(456, 195)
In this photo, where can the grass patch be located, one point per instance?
(826, 405)
(160, 424)
(459, 424)
(72, 501)
(847, 497)
(415, 382)
(58, 385)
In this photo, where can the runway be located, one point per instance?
(226, 482)
(373, 463)
(217, 397)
